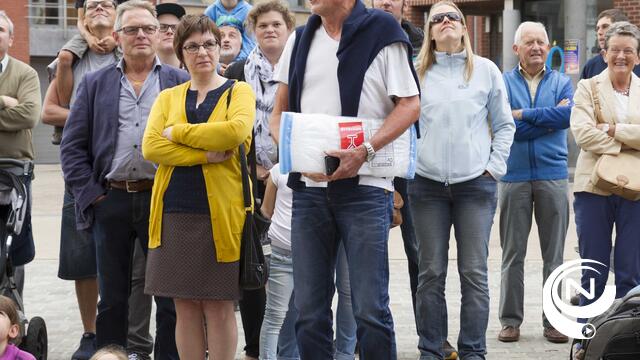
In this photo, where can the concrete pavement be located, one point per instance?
(54, 299)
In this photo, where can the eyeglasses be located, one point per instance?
(626, 52)
(452, 16)
(133, 30)
(194, 48)
(165, 27)
(92, 5)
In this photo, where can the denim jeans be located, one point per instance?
(120, 219)
(345, 322)
(408, 237)
(360, 216)
(469, 207)
(279, 292)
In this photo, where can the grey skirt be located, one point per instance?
(185, 265)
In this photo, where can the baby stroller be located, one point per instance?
(13, 206)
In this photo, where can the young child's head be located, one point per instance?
(9, 320)
(110, 352)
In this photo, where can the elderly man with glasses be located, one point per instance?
(103, 165)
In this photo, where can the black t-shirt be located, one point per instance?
(596, 65)
(80, 3)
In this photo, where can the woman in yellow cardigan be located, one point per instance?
(197, 210)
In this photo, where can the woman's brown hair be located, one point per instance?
(266, 6)
(191, 24)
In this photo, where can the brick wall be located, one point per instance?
(18, 12)
(631, 7)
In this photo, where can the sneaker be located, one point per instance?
(449, 351)
(87, 347)
(138, 356)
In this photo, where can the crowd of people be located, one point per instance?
(153, 107)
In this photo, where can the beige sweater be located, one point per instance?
(593, 142)
(19, 81)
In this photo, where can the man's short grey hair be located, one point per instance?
(132, 5)
(518, 37)
(5, 17)
(622, 28)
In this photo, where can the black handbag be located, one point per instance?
(254, 271)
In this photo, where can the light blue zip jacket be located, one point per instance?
(466, 128)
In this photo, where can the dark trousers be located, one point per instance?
(595, 216)
(252, 313)
(408, 237)
(119, 219)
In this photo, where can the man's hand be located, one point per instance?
(517, 114)
(8, 101)
(167, 133)
(351, 161)
(564, 102)
(218, 156)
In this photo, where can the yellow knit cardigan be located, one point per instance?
(225, 130)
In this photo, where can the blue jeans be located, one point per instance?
(279, 293)
(469, 207)
(595, 216)
(345, 322)
(408, 237)
(120, 219)
(360, 217)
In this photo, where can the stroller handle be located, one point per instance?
(25, 165)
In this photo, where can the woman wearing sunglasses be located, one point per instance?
(467, 130)
(197, 211)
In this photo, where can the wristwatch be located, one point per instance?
(371, 152)
(605, 128)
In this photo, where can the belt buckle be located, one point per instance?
(126, 185)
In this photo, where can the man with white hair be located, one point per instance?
(536, 179)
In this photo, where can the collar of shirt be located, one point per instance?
(526, 75)
(4, 62)
(156, 65)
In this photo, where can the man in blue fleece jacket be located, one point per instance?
(536, 178)
(239, 10)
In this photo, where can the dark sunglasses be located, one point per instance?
(452, 16)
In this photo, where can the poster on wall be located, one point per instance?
(572, 56)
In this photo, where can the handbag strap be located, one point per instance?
(245, 180)
(246, 190)
(596, 100)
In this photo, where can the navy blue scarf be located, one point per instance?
(364, 33)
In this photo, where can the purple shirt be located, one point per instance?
(12, 352)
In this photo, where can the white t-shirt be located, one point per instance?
(622, 107)
(280, 229)
(388, 76)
